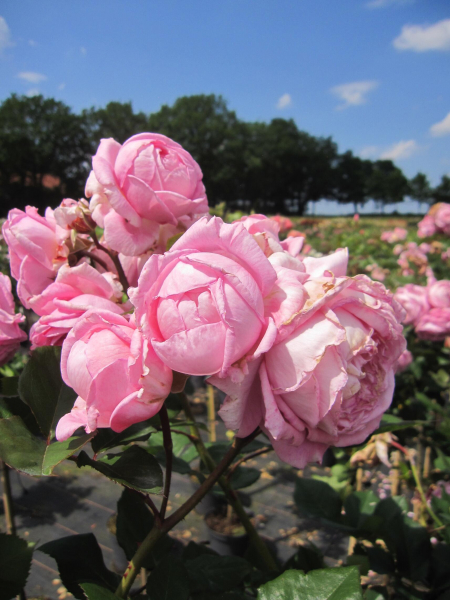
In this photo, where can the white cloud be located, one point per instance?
(284, 101)
(384, 3)
(421, 38)
(83, 50)
(31, 76)
(33, 92)
(5, 35)
(369, 152)
(61, 86)
(32, 43)
(400, 150)
(441, 128)
(354, 93)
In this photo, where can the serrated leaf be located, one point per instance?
(15, 563)
(96, 592)
(322, 584)
(43, 390)
(216, 574)
(25, 452)
(317, 499)
(134, 468)
(169, 581)
(80, 560)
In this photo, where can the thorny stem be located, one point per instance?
(169, 523)
(168, 449)
(247, 457)
(419, 487)
(228, 490)
(93, 257)
(115, 258)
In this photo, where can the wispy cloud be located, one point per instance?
(353, 94)
(385, 3)
(31, 76)
(61, 86)
(284, 101)
(422, 38)
(369, 152)
(5, 35)
(33, 92)
(400, 150)
(83, 51)
(441, 128)
(32, 43)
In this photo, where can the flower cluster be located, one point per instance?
(399, 233)
(437, 220)
(427, 308)
(302, 350)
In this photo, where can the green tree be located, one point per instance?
(441, 193)
(116, 120)
(44, 152)
(387, 184)
(420, 189)
(352, 175)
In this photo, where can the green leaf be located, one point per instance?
(9, 387)
(169, 580)
(22, 450)
(393, 423)
(134, 521)
(95, 592)
(244, 477)
(43, 390)
(442, 462)
(134, 468)
(317, 499)
(359, 511)
(307, 558)
(105, 439)
(15, 562)
(323, 584)
(216, 574)
(193, 550)
(171, 241)
(14, 407)
(80, 560)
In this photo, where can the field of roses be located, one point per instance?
(328, 338)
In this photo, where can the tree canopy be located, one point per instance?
(46, 150)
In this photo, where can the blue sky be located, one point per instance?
(373, 74)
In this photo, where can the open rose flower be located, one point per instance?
(75, 291)
(36, 249)
(265, 231)
(148, 181)
(329, 376)
(115, 372)
(414, 299)
(202, 303)
(10, 333)
(434, 325)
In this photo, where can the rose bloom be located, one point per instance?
(75, 291)
(414, 299)
(329, 376)
(202, 303)
(441, 213)
(394, 236)
(265, 231)
(115, 372)
(10, 333)
(426, 227)
(36, 249)
(284, 223)
(148, 181)
(404, 360)
(439, 294)
(73, 214)
(434, 325)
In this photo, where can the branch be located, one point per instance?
(115, 258)
(246, 458)
(168, 449)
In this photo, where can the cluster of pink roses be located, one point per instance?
(302, 350)
(398, 234)
(437, 220)
(427, 308)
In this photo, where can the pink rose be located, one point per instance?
(394, 236)
(329, 376)
(73, 214)
(265, 231)
(439, 294)
(442, 217)
(426, 227)
(115, 372)
(10, 333)
(284, 223)
(148, 181)
(36, 249)
(75, 291)
(404, 360)
(434, 325)
(414, 299)
(202, 303)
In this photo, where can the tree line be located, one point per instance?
(46, 150)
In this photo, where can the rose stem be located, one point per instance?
(168, 449)
(115, 258)
(231, 495)
(145, 548)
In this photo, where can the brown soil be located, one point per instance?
(227, 525)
